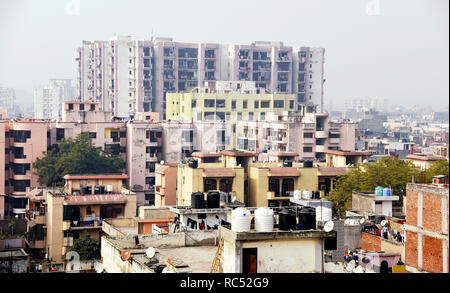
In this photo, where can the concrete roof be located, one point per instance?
(425, 158)
(95, 176)
(346, 153)
(332, 171)
(284, 171)
(235, 153)
(276, 234)
(204, 155)
(218, 172)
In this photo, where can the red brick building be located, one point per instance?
(427, 226)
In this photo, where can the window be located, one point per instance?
(220, 103)
(220, 116)
(233, 104)
(291, 104)
(123, 134)
(256, 104)
(250, 116)
(150, 166)
(220, 136)
(209, 116)
(263, 116)
(210, 103)
(209, 184)
(239, 116)
(308, 135)
(81, 107)
(226, 185)
(194, 103)
(307, 149)
(92, 107)
(188, 135)
(245, 105)
(59, 134)
(278, 104)
(265, 104)
(70, 107)
(250, 260)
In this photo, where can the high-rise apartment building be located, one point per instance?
(128, 76)
(7, 101)
(49, 99)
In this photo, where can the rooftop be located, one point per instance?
(205, 155)
(332, 171)
(275, 234)
(95, 199)
(425, 157)
(284, 171)
(346, 153)
(235, 153)
(95, 176)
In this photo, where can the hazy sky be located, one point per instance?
(399, 51)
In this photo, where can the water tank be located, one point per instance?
(240, 220)
(264, 220)
(109, 188)
(307, 218)
(323, 214)
(88, 190)
(197, 200)
(315, 194)
(306, 194)
(213, 200)
(193, 164)
(287, 220)
(297, 194)
(386, 192)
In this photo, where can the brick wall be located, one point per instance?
(370, 242)
(432, 255)
(432, 216)
(411, 207)
(411, 249)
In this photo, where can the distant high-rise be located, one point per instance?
(49, 99)
(128, 76)
(8, 101)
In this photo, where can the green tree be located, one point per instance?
(87, 248)
(75, 156)
(387, 172)
(438, 168)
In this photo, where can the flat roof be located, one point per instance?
(332, 171)
(346, 153)
(95, 176)
(425, 158)
(275, 235)
(205, 155)
(95, 199)
(218, 172)
(235, 153)
(281, 154)
(188, 210)
(284, 171)
(161, 169)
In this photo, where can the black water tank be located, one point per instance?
(193, 164)
(197, 200)
(287, 220)
(213, 200)
(308, 164)
(307, 217)
(88, 190)
(316, 194)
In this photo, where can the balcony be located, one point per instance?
(36, 217)
(335, 140)
(321, 134)
(309, 126)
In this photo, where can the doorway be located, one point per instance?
(250, 260)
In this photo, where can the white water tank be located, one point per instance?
(323, 214)
(297, 194)
(240, 220)
(264, 220)
(306, 194)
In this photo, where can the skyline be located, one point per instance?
(364, 54)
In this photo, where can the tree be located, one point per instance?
(438, 168)
(388, 172)
(87, 248)
(75, 156)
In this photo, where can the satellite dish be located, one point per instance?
(328, 227)
(362, 221)
(99, 267)
(383, 223)
(150, 252)
(125, 255)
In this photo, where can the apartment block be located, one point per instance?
(7, 102)
(310, 135)
(49, 99)
(427, 226)
(77, 210)
(128, 76)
